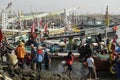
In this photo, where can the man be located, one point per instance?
(12, 62)
(21, 52)
(33, 56)
(47, 60)
(12, 59)
(91, 67)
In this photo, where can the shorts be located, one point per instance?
(69, 67)
(92, 71)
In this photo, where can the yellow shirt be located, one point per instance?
(20, 52)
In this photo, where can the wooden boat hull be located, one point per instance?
(102, 65)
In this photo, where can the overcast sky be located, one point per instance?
(86, 6)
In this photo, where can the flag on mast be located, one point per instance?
(33, 27)
(65, 17)
(46, 27)
(1, 36)
(9, 5)
(8, 8)
(107, 21)
(41, 24)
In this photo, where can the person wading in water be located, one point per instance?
(69, 62)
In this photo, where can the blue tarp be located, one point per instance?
(118, 49)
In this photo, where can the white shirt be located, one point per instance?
(90, 62)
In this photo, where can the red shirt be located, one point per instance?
(71, 60)
(39, 51)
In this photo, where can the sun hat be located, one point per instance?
(21, 43)
(39, 47)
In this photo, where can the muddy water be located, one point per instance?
(79, 70)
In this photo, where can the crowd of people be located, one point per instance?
(18, 57)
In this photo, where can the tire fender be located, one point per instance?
(112, 69)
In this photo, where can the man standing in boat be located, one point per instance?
(115, 40)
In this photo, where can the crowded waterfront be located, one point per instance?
(59, 45)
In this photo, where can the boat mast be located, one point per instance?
(4, 19)
(20, 21)
(106, 22)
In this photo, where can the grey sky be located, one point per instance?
(86, 6)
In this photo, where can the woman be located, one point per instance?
(69, 62)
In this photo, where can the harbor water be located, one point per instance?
(80, 71)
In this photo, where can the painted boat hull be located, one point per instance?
(102, 65)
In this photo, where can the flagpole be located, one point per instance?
(106, 25)
(106, 31)
(107, 22)
(19, 18)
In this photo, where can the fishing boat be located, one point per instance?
(102, 62)
(58, 49)
(14, 31)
